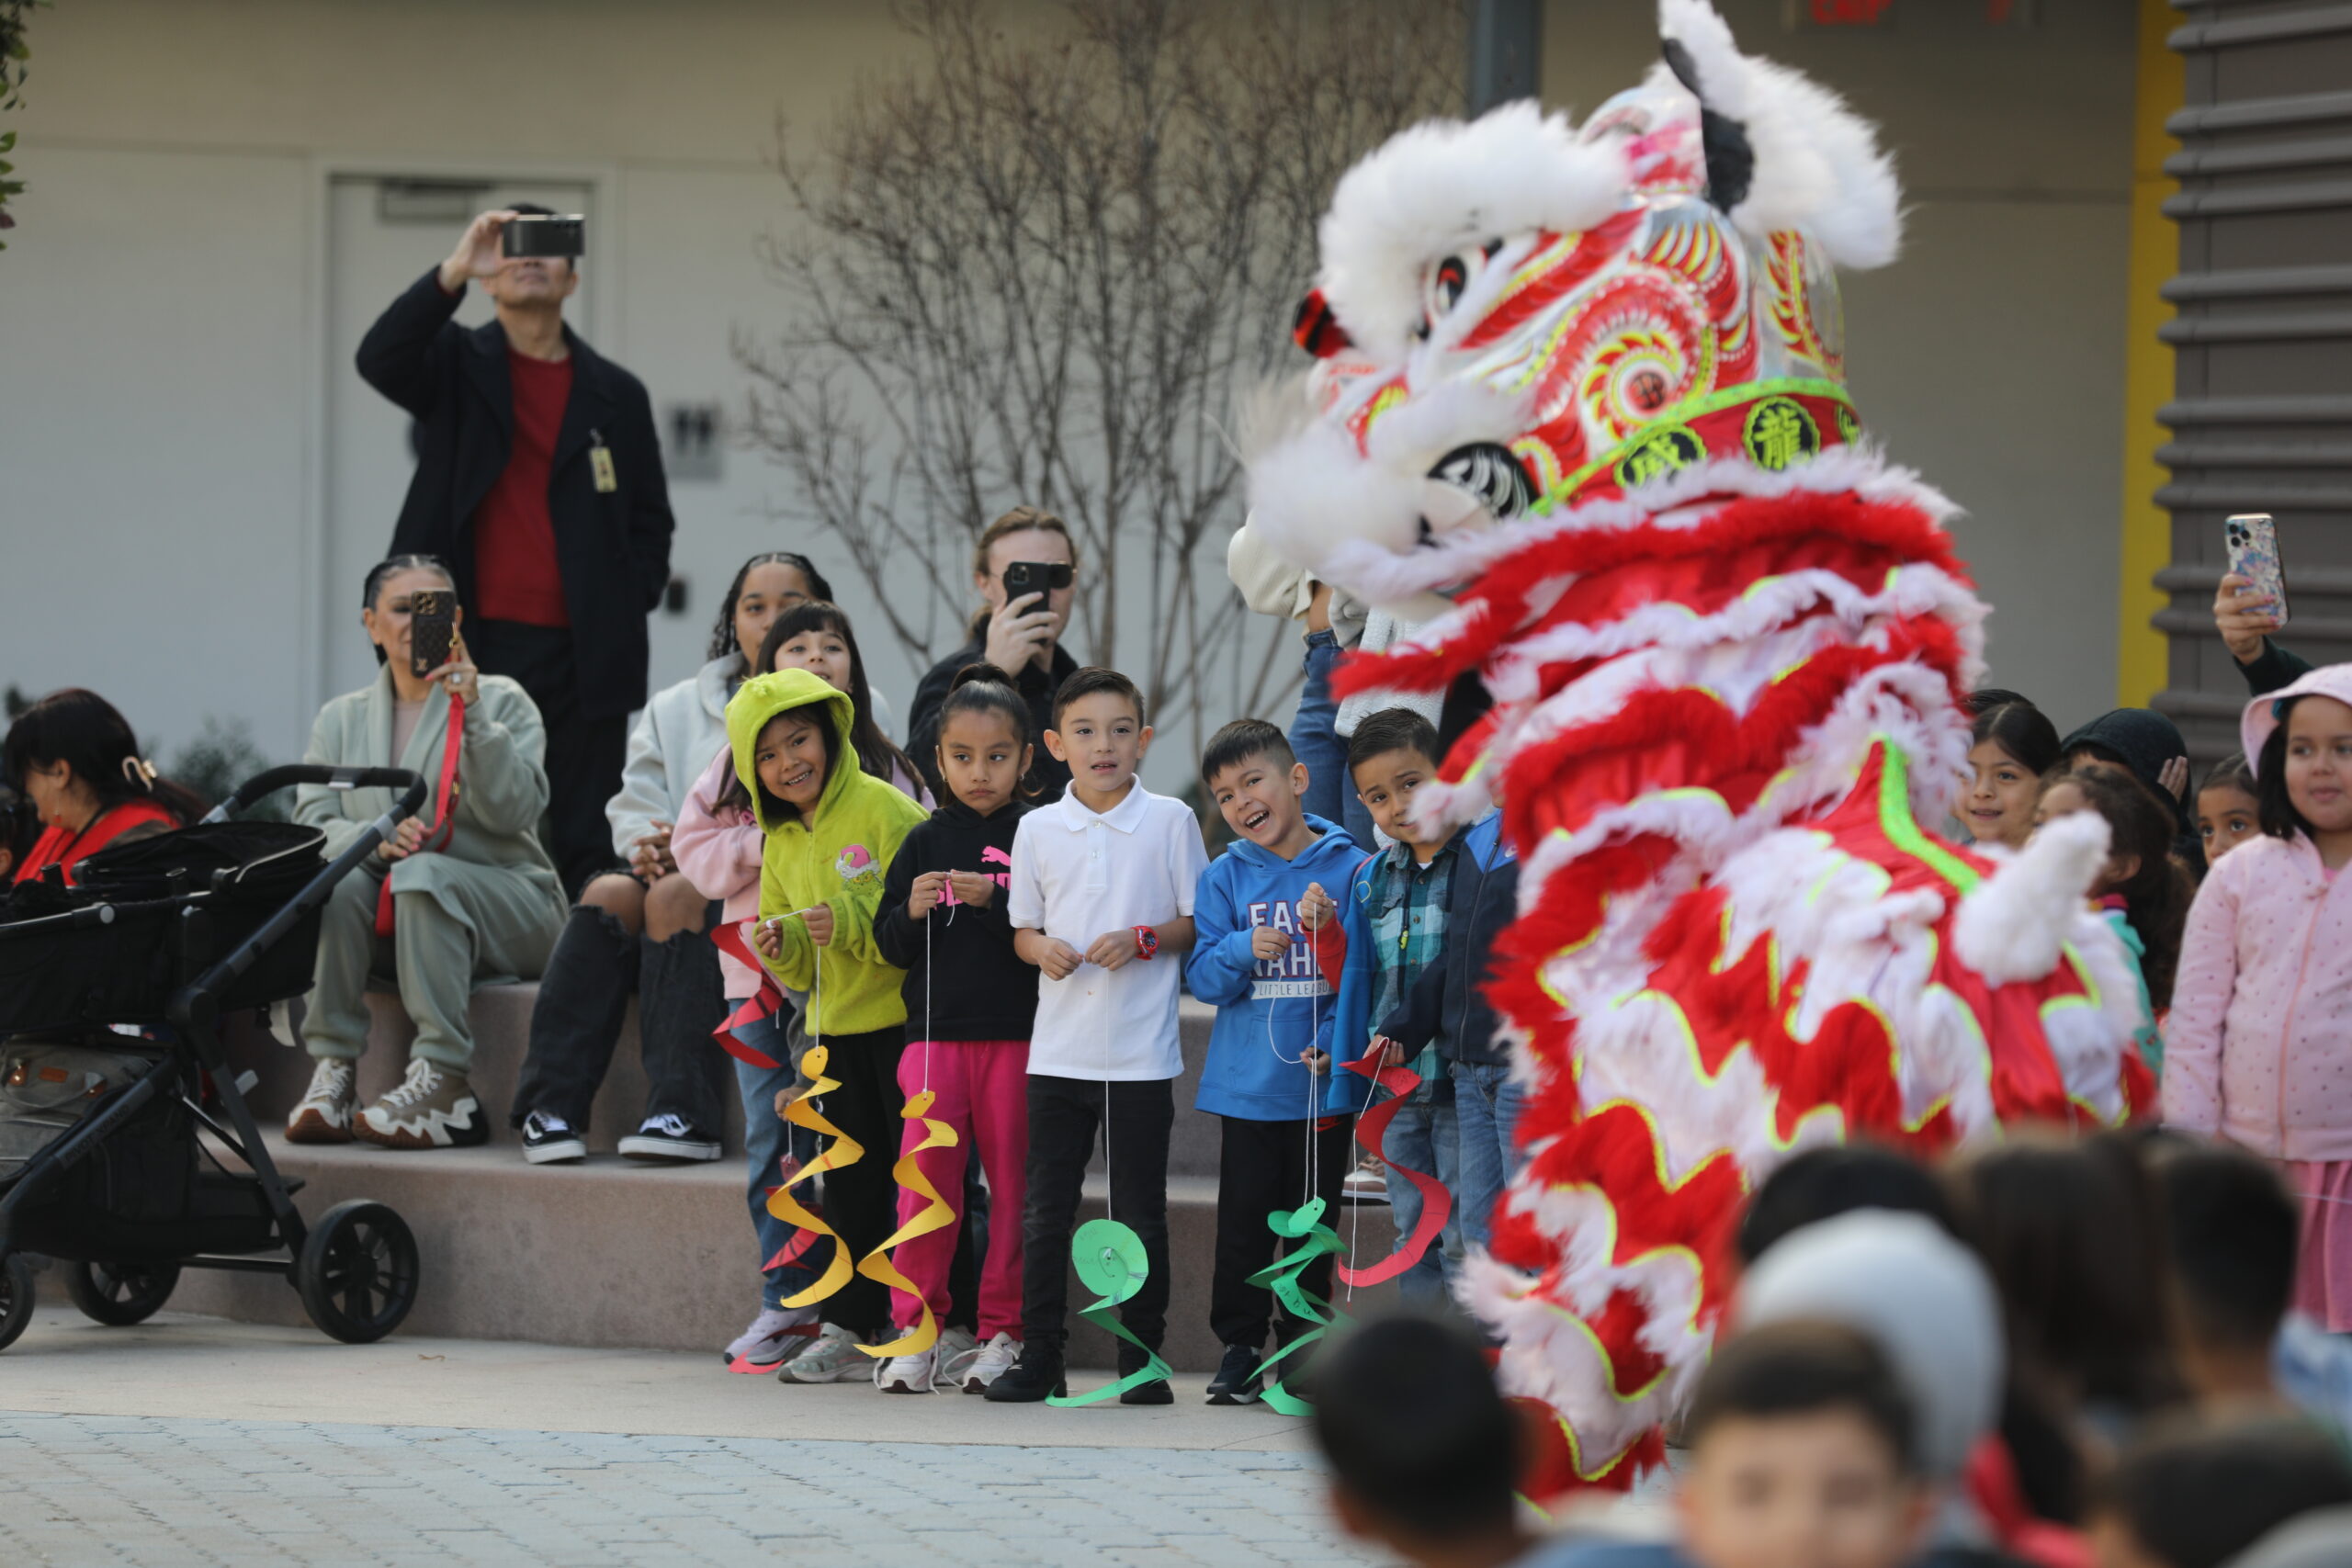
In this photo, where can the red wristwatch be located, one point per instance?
(1146, 943)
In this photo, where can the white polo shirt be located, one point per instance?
(1077, 875)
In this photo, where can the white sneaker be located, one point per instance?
(432, 1109)
(323, 1114)
(956, 1347)
(776, 1336)
(993, 1360)
(907, 1374)
(833, 1357)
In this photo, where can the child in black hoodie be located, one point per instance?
(970, 1007)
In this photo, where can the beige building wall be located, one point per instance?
(1991, 356)
(161, 310)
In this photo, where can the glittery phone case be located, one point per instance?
(2254, 555)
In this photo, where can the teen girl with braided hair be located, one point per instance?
(642, 928)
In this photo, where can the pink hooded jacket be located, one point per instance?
(720, 854)
(2258, 1045)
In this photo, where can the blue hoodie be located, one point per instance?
(1267, 1011)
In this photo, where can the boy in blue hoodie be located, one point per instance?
(1268, 953)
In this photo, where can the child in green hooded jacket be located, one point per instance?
(832, 829)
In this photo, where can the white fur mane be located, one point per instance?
(1818, 166)
(1447, 184)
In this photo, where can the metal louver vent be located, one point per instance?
(2261, 416)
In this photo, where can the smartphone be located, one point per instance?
(536, 235)
(1025, 577)
(431, 628)
(2254, 555)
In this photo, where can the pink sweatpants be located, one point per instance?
(983, 1092)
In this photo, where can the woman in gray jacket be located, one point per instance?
(461, 894)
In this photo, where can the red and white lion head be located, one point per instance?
(1515, 313)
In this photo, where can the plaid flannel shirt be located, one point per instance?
(1408, 916)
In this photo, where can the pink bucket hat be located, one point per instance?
(2262, 713)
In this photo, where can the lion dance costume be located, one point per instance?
(1579, 400)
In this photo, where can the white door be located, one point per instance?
(381, 236)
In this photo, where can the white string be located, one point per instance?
(1110, 1207)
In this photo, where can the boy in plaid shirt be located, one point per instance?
(1402, 894)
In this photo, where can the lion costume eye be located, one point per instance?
(1450, 279)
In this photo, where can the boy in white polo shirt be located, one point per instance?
(1102, 902)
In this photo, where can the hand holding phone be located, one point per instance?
(1022, 631)
(431, 628)
(2253, 541)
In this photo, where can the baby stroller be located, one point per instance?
(112, 1064)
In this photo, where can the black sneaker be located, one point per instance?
(1156, 1391)
(549, 1140)
(1237, 1377)
(669, 1137)
(1036, 1377)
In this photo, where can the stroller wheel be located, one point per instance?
(16, 1299)
(120, 1294)
(358, 1272)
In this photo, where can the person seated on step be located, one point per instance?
(461, 895)
(642, 928)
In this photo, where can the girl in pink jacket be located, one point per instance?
(2259, 1044)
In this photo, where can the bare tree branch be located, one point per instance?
(1038, 265)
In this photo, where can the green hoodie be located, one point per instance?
(836, 858)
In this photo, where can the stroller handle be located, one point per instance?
(253, 788)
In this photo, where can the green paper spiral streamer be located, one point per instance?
(1310, 1239)
(1110, 1262)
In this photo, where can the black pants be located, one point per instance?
(861, 1200)
(1262, 1167)
(583, 997)
(584, 755)
(1065, 1117)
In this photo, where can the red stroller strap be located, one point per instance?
(444, 810)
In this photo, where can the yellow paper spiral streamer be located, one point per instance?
(878, 1265)
(843, 1150)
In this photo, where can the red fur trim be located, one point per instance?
(1615, 1150)
(1500, 601)
(1686, 737)
(1617, 1325)
(1571, 905)
(1515, 1239)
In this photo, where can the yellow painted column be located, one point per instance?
(2146, 529)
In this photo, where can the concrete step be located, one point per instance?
(613, 1252)
(501, 1023)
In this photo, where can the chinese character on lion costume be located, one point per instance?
(1579, 402)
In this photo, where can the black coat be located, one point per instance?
(1449, 1003)
(1047, 775)
(978, 987)
(612, 550)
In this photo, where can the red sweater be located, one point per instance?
(515, 576)
(61, 846)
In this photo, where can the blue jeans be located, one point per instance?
(1423, 1137)
(1487, 1104)
(1330, 794)
(767, 1137)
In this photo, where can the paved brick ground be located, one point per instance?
(162, 1491)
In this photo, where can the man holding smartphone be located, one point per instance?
(538, 480)
(1024, 566)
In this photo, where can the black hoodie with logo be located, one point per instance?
(975, 987)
